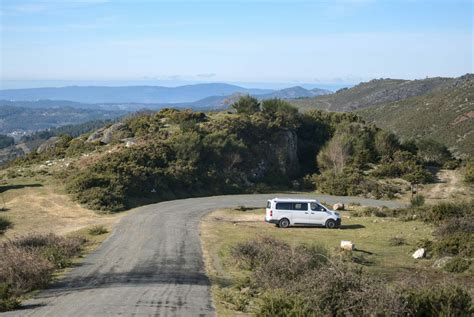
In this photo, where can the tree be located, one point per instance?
(335, 153)
(274, 106)
(433, 152)
(386, 143)
(246, 105)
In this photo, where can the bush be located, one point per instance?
(417, 201)
(27, 263)
(7, 300)
(278, 303)
(98, 230)
(449, 300)
(247, 105)
(396, 241)
(457, 265)
(4, 224)
(469, 172)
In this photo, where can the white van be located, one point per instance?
(285, 212)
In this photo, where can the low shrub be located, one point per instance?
(4, 224)
(235, 299)
(7, 300)
(279, 303)
(429, 300)
(417, 201)
(457, 265)
(98, 230)
(397, 241)
(460, 243)
(454, 225)
(27, 263)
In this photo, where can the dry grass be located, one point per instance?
(43, 207)
(223, 229)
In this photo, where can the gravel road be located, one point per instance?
(151, 264)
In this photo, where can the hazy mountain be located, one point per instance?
(295, 92)
(446, 115)
(21, 119)
(377, 91)
(135, 94)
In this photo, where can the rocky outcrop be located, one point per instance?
(107, 135)
(49, 145)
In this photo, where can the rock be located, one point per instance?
(129, 142)
(419, 254)
(347, 245)
(338, 206)
(95, 136)
(111, 131)
(441, 262)
(50, 144)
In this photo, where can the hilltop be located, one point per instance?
(445, 115)
(377, 92)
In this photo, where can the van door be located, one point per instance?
(300, 213)
(317, 214)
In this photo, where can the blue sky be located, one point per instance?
(260, 41)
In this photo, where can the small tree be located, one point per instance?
(247, 105)
(386, 143)
(335, 153)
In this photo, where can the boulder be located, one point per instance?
(419, 254)
(347, 245)
(441, 262)
(95, 136)
(50, 144)
(338, 206)
(111, 131)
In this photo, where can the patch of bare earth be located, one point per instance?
(43, 210)
(450, 186)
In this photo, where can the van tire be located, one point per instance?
(330, 224)
(284, 223)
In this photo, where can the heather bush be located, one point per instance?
(417, 201)
(98, 230)
(28, 262)
(457, 264)
(7, 300)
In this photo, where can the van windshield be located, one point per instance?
(317, 207)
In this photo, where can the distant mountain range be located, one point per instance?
(444, 114)
(148, 94)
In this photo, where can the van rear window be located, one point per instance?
(292, 206)
(269, 204)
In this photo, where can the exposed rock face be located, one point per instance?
(107, 135)
(50, 144)
(285, 149)
(441, 262)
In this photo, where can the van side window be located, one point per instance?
(284, 206)
(317, 207)
(300, 206)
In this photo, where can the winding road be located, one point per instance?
(151, 264)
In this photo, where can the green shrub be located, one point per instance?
(417, 201)
(469, 172)
(279, 303)
(457, 265)
(235, 299)
(7, 300)
(397, 241)
(4, 224)
(449, 300)
(98, 230)
(460, 243)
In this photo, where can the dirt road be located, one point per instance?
(151, 265)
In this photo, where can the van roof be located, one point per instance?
(301, 200)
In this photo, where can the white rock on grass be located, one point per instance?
(347, 245)
(419, 254)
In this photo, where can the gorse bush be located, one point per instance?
(417, 201)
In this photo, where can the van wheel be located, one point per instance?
(284, 223)
(330, 224)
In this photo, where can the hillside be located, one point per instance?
(376, 92)
(445, 115)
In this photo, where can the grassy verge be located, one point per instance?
(383, 248)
